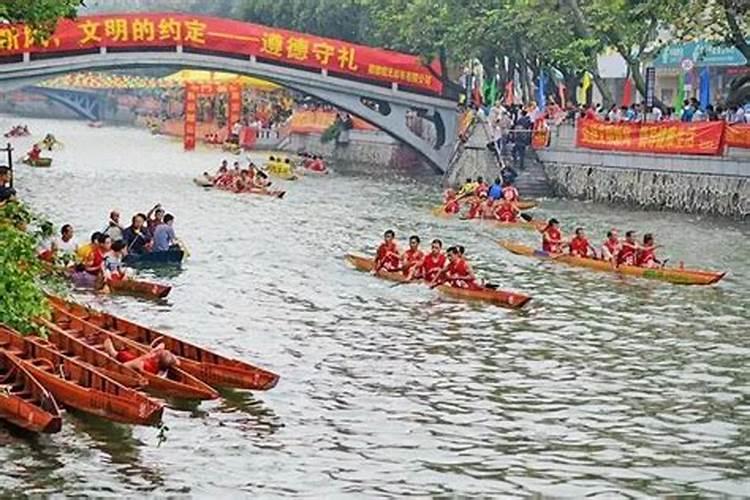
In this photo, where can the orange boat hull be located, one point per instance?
(498, 297)
(25, 402)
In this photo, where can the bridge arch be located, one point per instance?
(349, 92)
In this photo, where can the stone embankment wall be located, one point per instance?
(694, 184)
(363, 148)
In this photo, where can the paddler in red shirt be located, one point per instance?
(510, 188)
(35, 153)
(579, 245)
(412, 257)
(387, 258)
(506, 210)
(611, 247)
(432, 264)
(646, 255)
(450, 202)
(477, 206)
(552, 237)
(628, 251)
(482, 187)
(156, 362)
(457, 273)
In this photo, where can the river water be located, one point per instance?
(604, 386)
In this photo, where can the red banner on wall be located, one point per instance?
(738, 136)
(540, 135)
(702, 138)
(224, 35)
(191, 116)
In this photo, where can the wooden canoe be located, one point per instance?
(502, 298)
(24, 402)
(140, 288)
(669, 274)
(57, 339)
(213, 369)
(145, 289)
(177, 383)
(76, 385)
(40, 163)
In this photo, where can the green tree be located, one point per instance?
(42, 15)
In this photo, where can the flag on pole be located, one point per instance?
(583, 90)
(705, 88)
(679, 96)
(509, 93)
(627, 93)
(561, 91)
(541, 97)
(490, 91)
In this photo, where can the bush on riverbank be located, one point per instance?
(21, 272)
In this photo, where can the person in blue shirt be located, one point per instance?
(687, 112)
(496, 190)
(164, 235)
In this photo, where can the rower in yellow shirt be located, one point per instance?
(84, 252)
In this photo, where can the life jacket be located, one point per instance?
(412, 258)
(432, 265)
(458, 275)
(387, 262)
(579, 247)
(551, 243)
(505, 212)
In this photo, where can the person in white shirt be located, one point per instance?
(66, 243)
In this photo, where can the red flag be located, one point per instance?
(627, 94)
(477, 93)
(561, 90)
(509, 93)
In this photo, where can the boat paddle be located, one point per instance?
(184, 248)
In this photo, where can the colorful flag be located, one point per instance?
(583, 90)
(627, 93)
(705, 88)
(541, 96)
(490, 91)
(509, 93)
(679, 96)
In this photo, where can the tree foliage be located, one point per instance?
(42, 15)
(21, 273)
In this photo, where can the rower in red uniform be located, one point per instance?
(476, 207)
(482, 187)
(432, 264)
(611, 247)
(387, 257)
(450, 203)
(628, 251)
(412, 257)
(579, 245)
(511, 189)
(552, 237)
(35, 153)
(156, 362)
(506, 210)
(646, 255)
(457, 273)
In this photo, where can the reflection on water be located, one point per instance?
(604, 386)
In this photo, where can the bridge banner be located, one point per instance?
(699, 138)
(266, 44)
(738, 135)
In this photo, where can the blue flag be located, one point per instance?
(705, 88)
(541, 97)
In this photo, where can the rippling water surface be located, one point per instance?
(604, 386)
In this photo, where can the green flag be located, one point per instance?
(490, 91)
(679, 96)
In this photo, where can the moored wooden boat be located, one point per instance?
(498, 297)
(213, 369)
(24, 402)
(669, 274)
(39, 162)
(57, 339)
(176, 383)
(139, 288)
(76, 385)
(154, 258)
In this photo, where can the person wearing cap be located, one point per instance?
(6, 193)
(552, 237)
(114, 229)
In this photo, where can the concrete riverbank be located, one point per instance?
(694, 184)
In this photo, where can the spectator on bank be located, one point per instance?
(687, 111)
(521, 138)
(6, 193)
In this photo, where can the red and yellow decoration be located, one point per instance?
(701, 138)
(223, 35)
(738, 136)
